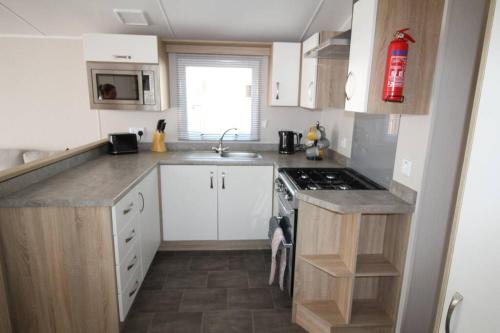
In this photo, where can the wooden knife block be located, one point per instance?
(158, 144)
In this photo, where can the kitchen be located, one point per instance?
(238, 127)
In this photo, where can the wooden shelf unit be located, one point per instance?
(348, 270)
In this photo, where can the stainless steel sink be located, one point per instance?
(227, 155)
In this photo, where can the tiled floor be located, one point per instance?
(210, 292)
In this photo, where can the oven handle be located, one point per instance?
(286, 210)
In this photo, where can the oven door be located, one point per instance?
(285, 211)
(117, 87)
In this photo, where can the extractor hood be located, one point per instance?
(336, 47)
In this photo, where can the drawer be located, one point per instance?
(126, 239)
(126, 298)
(130, 263)
(124, 210)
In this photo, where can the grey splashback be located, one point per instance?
(374, 146)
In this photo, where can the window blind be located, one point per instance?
(217, 92)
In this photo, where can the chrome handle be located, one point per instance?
(129, 209)
(117, 56)
(130, 294)
(223, 181)
(211, 180)
(347, 96)
(455, 300)
(132, 235)
(143, 202)
(134, 261)
(277, 90)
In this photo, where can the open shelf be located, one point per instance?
(367, 312)
(322, 315)
(328, 263)
(375, 265)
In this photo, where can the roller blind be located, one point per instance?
(217, 92)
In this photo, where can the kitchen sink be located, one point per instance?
(227, 155)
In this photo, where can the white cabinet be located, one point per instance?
(216, 202)
(285, 69)
(309, 74)
(189, 201)
(149, 217)
(120, 48)
(245, 201)
(357, 87)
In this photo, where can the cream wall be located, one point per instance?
(43, 94)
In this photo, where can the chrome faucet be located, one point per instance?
(220, 149)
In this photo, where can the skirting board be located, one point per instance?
(212, 245)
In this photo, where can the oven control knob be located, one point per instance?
(288, 197)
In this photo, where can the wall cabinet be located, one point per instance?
(374, 23)
(322, 80)
(285, 72)
(216, 202)
(120, 48)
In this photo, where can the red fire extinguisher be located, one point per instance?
(397, 54)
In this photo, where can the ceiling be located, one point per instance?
(243, 20)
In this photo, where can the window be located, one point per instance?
(215, 93)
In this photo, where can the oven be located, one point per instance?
(122, 86)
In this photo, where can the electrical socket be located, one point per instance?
(263, 123)
(343, 143)
(406, 167)
(136, 130)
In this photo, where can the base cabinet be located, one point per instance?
(216, 202)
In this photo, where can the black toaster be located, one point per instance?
(122, 143)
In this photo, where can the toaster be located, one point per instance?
(122, 143)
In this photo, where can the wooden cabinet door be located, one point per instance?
(245, 201)
(189, 202)
(285, 74)
(149, 218)
(120, 48)
(360, 57)
(309, 74)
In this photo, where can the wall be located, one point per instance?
(43, 94)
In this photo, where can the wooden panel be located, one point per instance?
(374, 265)
(331, 264)
(60, 273)
(332, 74)
(424, 20)
(349, 233)
(363, 330)
(319, 316)
(369, 313)
(4, 308)
(366, 288)
(397, 231)
(202, 48)
(371, 234)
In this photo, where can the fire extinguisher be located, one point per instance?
(395, 68)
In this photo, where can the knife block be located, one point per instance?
(158, 144)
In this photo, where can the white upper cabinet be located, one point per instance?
(285, 73)
(309, 74)
(245, 201)
(120, 48)
(360, 58)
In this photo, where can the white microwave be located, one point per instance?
(121, 86)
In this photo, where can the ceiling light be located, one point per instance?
(131, 16)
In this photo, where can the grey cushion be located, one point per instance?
(10, 158)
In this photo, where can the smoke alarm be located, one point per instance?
(131, 16)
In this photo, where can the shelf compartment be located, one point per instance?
(369, 313)
(319, 316)
(331, 264)
(375, 265)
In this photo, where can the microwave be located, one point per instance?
(124, 86)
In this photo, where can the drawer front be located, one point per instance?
(126, 298)
(125, 210)
(128, 266)
(126, 239)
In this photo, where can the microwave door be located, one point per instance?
(117, 87)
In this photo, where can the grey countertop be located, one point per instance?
(106, 179)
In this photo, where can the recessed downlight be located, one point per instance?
(131, 16)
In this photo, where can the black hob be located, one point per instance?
(329, 179)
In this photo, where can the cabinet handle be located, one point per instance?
(223, 181)
(347, 95)
(211, 180)
(130, 294)
(455, 300)
(309, 90)
(134, 261)
(277, 90)
(118, 56)
(132, 235)
(129, 209)
(142, 201)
